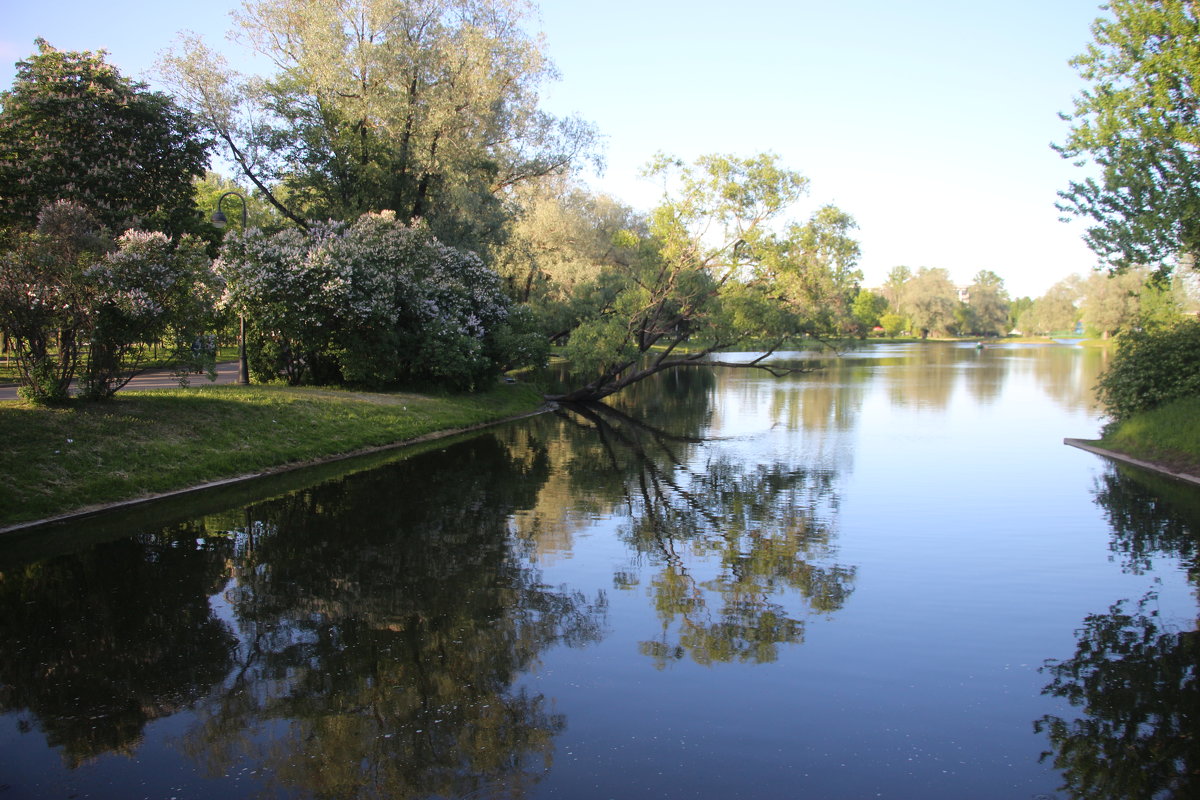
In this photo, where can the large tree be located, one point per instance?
(930, 300)
(1138, 123)
(717, 268)
(425, 107)
(72, 128)
(987, 305)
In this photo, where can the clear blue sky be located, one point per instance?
(929, 121)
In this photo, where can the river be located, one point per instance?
(884, 577)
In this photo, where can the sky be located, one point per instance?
(929, 121)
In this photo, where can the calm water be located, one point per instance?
(885, 578)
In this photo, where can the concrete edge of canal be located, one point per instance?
(101, 508)
(1084, 444)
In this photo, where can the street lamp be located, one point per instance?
(220, 221)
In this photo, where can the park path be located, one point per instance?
(153, 379)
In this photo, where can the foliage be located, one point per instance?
(987, 306)
(714, 267)
(149, 289)
(1136, 122)
(867, 309)
(1150, 368)
(1110, 303)
(1056, 310)
(1136, 679)
(72, 298)
(929, 300)
(429, 109)
(893, 324)
(46, 299)
(72, 128)
(259, 211)
(374, 303)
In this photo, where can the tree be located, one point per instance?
(1056, 310)
(868, 308)
(1137, 123)
(893, 288)
(1017, 309)
(426, 108)
(72, 128)
(74, 301)
(1110, 302)
(716, 269)
(45, 298)
(987, 303)
(930, 300)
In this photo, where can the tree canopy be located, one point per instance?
(73, 128)
(1137, 123)
(716, 266)
(427, 108)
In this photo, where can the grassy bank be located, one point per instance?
(1169, 435)
(57, 460)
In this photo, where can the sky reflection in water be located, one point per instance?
(842, 584)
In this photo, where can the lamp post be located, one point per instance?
(219, 221)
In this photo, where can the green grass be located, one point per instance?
(55, 460)
(1168, 435)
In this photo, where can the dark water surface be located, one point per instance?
(887, 578)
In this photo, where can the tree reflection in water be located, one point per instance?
(1135, 676)
(727, 539)
(99, 644)
(357, 639)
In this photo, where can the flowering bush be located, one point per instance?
(373, 302)
(149, 289)
(71, 297)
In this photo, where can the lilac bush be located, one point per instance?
(373, 302)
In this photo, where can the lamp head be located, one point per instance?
(218, 219)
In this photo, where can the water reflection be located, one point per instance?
(1136, 679)
(364, 641)
(1134, 675)
(100, 644)
(725, 540)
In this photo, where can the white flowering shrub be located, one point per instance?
(45, 301)
(374, 303)
(149, 289)
(74, 302)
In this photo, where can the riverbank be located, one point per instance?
(1166, 440)
(55, 461)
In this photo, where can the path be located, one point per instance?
(154, 379)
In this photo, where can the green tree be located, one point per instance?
(1111, 302)
(988, 303)
(259, 211)
(868, 308)
(893, 324)
(716, 268)
(1137, 124)
(893, 287)
(1056, 310)
(930, 300)
(429, 109)
(74, 301)
(72, 128)
(1017, 309)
